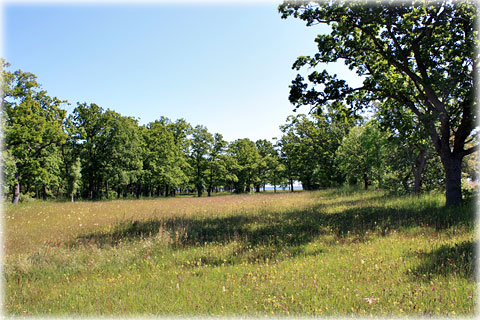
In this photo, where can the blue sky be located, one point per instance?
(225, 66)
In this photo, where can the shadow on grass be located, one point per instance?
(287, 232)
(458, 259)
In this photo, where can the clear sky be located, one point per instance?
(226, 66)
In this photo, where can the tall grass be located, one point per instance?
(321, 253)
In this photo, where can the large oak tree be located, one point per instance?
(420, 54)
(32, 126)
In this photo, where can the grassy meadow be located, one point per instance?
(323, 253)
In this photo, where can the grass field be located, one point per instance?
(324, 253)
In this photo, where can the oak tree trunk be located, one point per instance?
(199, 190)
(417, 170)
(453, 174)
(16, 188)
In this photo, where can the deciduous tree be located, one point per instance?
(32, 125)
(420, 54)
(246, 158)
(359, 155)
(217, 165)
(201, 147)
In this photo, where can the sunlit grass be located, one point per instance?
(321, 253)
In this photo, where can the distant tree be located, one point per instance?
(32, 127)
(409, 148)
(359, 156)
(109, 147)
(419, 54)
(49, 181)
(245, 155)
(162, 164)
(288, 146)
(265, 150)
(276, 169)
(181, 131)
(87, 123)
(157, 156)
(312, 143)
(201, 146)
(217, 166)
(120, 152)
(233, 168)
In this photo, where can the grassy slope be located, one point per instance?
(313, 253)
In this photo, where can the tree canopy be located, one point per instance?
(420, 54)
(33, 129)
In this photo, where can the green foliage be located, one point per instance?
(122, 155)
(417, 55)
(109, 146)
(244, 164)
(201, 147)
(32, 125)
(276, 169)
(408, 152)
(85, 129)
(309, 145)
(164, 160)
(287, 143)
(218, 173)
(270, 168)
(100, 154)
(359, 156)
(181, 130)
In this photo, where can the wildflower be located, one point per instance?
(370, 300)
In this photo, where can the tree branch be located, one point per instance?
(471, 150)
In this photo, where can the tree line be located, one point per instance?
(94, 153)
